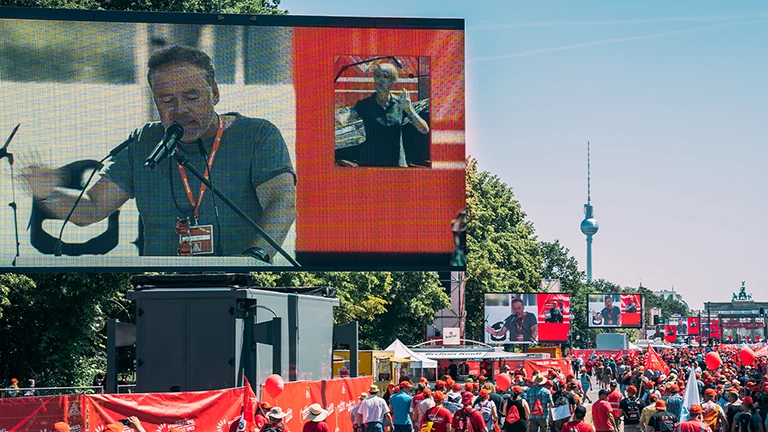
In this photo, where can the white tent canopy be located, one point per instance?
(419, 361)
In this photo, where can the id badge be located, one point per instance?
(197, 241)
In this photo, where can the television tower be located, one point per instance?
(589, 225)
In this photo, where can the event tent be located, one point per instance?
(418, 361)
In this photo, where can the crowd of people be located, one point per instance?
(631, 397)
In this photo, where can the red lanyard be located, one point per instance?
(185, 179)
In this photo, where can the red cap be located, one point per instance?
(710, 392)
(14, 380)
(748, 401)
(468, 386)
(517, 389)
(652, 397)
(483, 393)
(466, 398)
(438, 396)
(661, 405)
(673, 388)
(61, 427)
(457, 387)
(696, 409)
(632, 390)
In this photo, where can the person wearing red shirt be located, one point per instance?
(468, 419)
(439, 415)
(696, 422)
(614, 398)
(602, 413)
(578, 424)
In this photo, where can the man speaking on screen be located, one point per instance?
(610, 315)
(246, 158)
(521, 325)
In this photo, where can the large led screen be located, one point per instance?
(341, 138)
(615, 310)
(527, 318)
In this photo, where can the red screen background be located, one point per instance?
(386, 210)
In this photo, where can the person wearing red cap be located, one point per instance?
(424, 405)
(696, 422)
(630, 409)
(468, 419)
(453, 399)
(439, 416)
(648, 411)
(712, 412)
(516, 412)
(662, 421)
(487, 408)
(133, 422)
(747, 420)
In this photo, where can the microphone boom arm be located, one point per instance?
(183, 161)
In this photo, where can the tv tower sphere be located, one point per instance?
(589, 226)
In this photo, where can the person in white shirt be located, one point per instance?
(373, 412)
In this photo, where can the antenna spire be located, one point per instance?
(589, 178)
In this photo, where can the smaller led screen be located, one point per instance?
(527, 318)
(615, 310)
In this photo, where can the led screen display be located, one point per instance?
(341, 138)
(615, 310)
(527, 318)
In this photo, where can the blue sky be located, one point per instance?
(672, 97)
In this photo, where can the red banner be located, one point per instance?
(208, 411)
(653, 361)
(543, 365)
(338, 396)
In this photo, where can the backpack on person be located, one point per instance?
(537, 409)
(744, 420)
(632, 412)
(465, 422)
(513, 414)
(486, 409)
(560, 400)
(273, 428)
(453, 402)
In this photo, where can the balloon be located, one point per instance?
(747, 356)
(713, 360)
(274, 385)
(503, 380)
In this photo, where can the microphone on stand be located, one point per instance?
(57, 250)
(165, 147)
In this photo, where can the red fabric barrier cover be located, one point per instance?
(338, 396)
(208, 411)
(189, 411)
(40, 413)
(533, 366)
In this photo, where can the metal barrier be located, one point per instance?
(126, 388)
(47, 391)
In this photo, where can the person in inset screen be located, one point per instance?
(521, 325)
(556, 312)
(610, 315)
(247, 158)
(383, 114)
(682, 328)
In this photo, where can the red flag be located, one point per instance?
(248, 419)
(653, 361)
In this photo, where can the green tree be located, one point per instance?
(52, 329)
(503, 254)
(210, 6)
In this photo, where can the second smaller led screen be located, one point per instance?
(615, 310)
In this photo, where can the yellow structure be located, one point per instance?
(383, 366)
